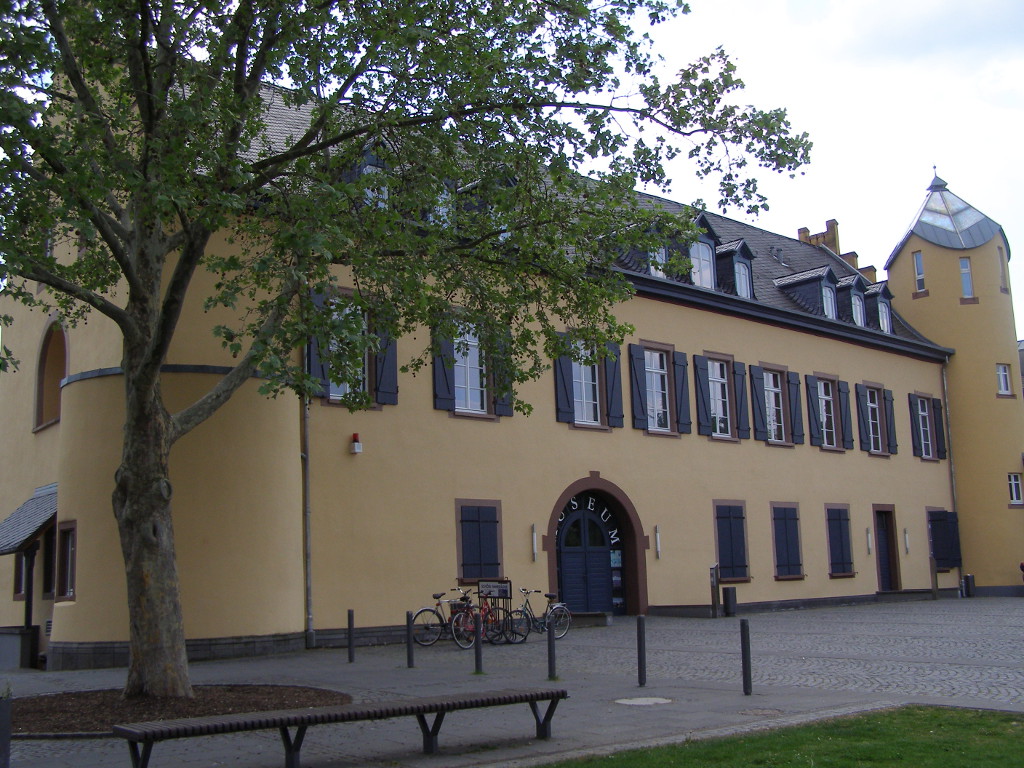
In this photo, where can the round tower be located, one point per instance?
(949, 279)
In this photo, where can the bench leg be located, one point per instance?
(544, 724)
(292, 745)
(430, 732)
(140, 761)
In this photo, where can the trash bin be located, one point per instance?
(729, 600)
(968, 585)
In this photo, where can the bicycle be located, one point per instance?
(430, 623)
(493, 621)
(557, 617)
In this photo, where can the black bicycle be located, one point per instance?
(556, 617)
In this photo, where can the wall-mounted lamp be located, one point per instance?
(657, 541)
(357, 447)
(533, 540)
(906, 541)
(868, 532)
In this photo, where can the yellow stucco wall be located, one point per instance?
(987, 429)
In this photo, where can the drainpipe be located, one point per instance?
(307, 534)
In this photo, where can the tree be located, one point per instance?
(475, 155)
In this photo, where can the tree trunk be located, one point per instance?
(158, 664)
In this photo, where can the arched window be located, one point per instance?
(53, 364)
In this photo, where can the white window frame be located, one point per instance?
(828, 301)
(744, 285)
(827, 413)
(1003, 379)
(874, 406)
(337, 392)
(702, 260)
(657, 260)
(966, 278)
(586, 393)
(470, 375)
(918, 271)
(658, 382)
(1013, 479)
(884, 317)
(857, 304)
(924, 425)
(775, 406)
(720, 389)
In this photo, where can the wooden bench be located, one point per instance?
(147, 734)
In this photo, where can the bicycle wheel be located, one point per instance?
(463, 629)
(558, 620)
(518, 627)
(427, 626)
(495, 624)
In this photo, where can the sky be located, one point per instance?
(887, 89)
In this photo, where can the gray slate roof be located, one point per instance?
(27, 521)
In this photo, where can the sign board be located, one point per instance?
(495, 588)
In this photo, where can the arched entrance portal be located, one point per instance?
(596, 549)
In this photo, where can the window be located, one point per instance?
(375, 189)
(657, 260)
(944, 532)
(721, 397)
(1016, 496)
(67, 547)
(875, 419)
(702, 258)
(1004, 284)
(732, 541)
(966, 281)
(1003, 379)
(884, 317)
(51, 371)
(786, 528)
(828, 301)
(658, 386)
(463, 383)
(927, 432)
(840, 554)
(859, 316)
(589, 394)
(744, 286)
(775, 401)
(20, 575)
(918, 271)
(48, 540)
(828, 412)
(479, 539)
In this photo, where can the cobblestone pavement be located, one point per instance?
(806, 665)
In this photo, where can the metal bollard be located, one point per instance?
(745, 652)
(351, 635)
(478, 645)
(552, 668)
(409, 660)
(641, 650)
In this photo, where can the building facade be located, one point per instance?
(778, 418)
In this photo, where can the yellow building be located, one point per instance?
(775, 416)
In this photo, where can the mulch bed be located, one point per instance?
(99, 711)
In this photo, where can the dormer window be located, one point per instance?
(859, 316)
(828, 301)
(702, 258)
(744, 287)
(884, 317)
(657, 260)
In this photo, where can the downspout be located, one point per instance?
(949, 448)
(307, 532)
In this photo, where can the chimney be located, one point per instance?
(869, 274)
(829, 238)
(850, 258)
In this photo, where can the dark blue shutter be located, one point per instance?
(945, 535)
(840, 553)
(702, 389)
(613, 386)
(940, 430)
(444, 379)
(682, 392)
(862, 417)
(796, 419)
(732, 546)
(739, 378)
(915, 425)
(757, 404)
(565, 411)
(814, 410)
(479, 535)
(386, 371)
(787, 541)
(845, 418)
(638, 385)
(890, 420)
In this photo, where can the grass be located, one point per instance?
(922, 737)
